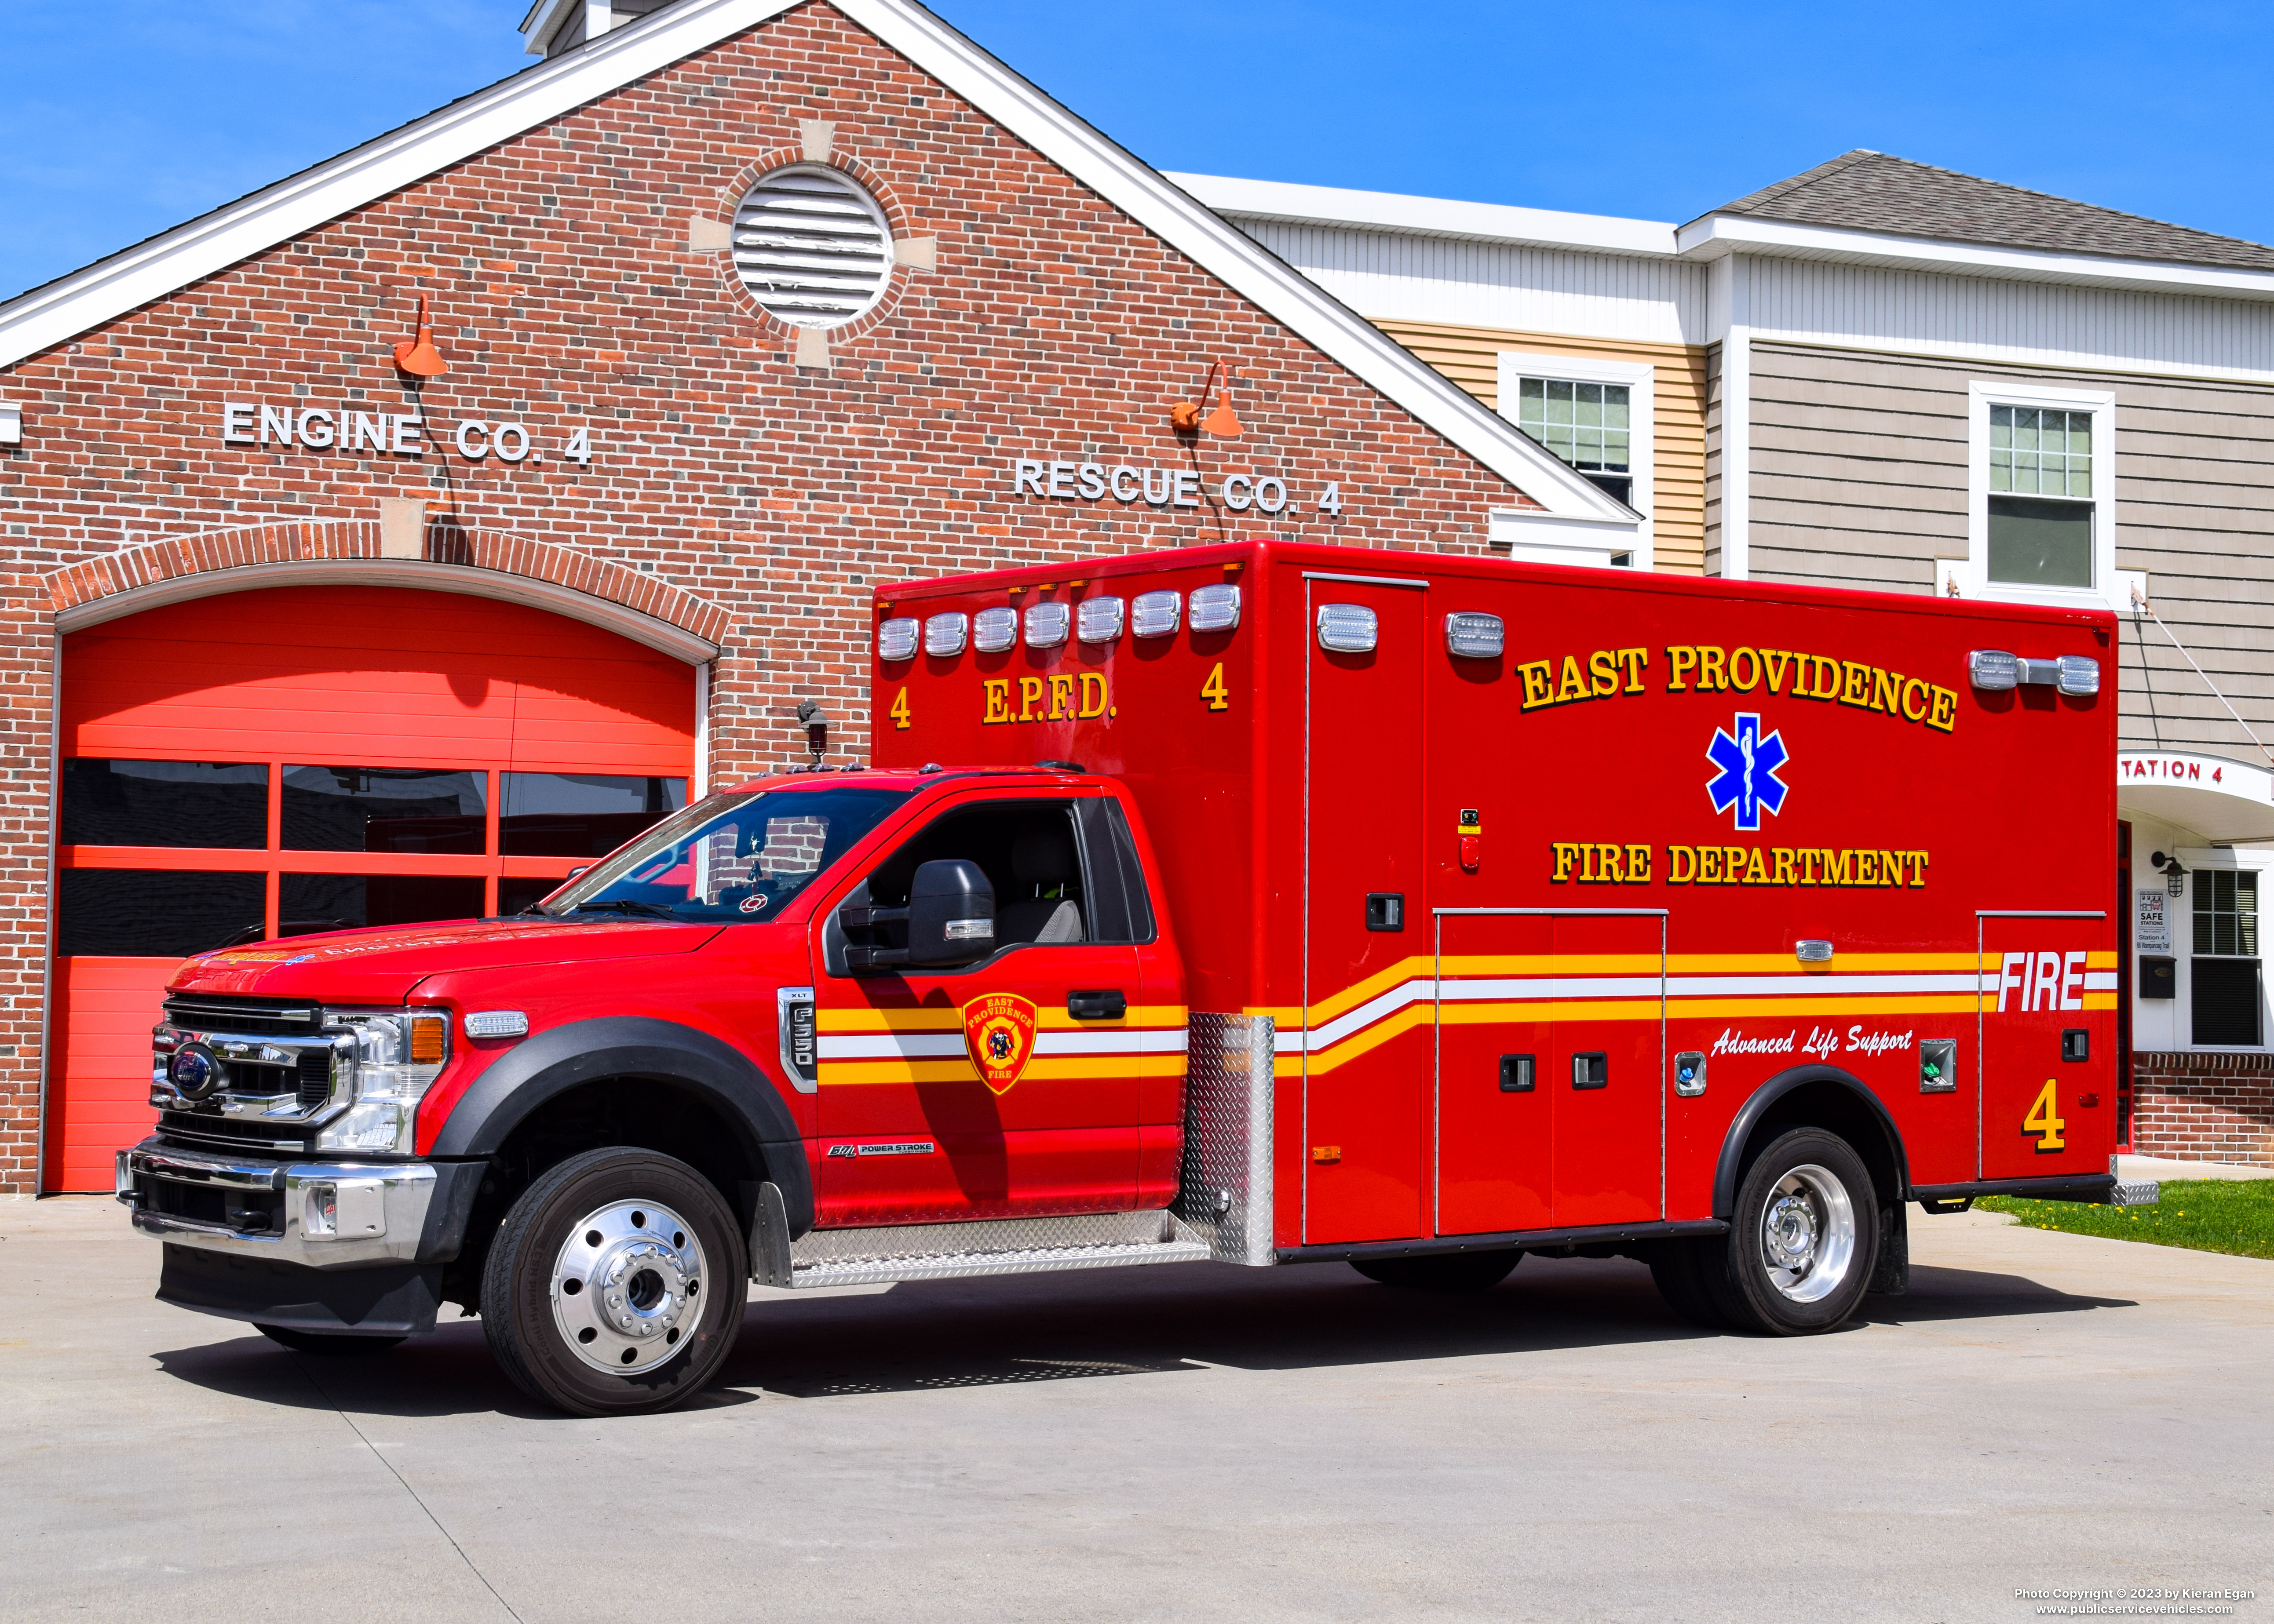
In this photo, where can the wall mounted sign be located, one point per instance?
(1160, 487)
(320, 428)
(2151, 930)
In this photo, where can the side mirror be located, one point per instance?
(951, 914)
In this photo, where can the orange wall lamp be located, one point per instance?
(419, 356)
(1185, 417)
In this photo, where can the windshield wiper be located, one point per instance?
(625, 904)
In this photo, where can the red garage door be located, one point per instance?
(313, 758)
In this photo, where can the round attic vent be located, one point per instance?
(812, 247)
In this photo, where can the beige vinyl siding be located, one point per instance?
(1470, 358)
(1860, 479)
(1711, 506)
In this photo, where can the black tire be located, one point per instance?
(667, 1234)
(1679, 1272)
(1807, 1183)
(1442, 1271)
(328, 1344)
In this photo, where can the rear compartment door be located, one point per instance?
(1365, 945)
(1550, 1069)
(2048, 1080)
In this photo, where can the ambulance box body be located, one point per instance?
(1559, 888)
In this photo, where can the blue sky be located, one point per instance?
(121, 118)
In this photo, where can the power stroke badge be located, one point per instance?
(998, 1029)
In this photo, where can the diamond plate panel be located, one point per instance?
(1225, 1188)
(993, 1246)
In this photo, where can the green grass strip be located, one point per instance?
(2205, 1215)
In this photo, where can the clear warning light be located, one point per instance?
(1348, 628)
(896, 639)
(1474, 636)
(994, 630)
(944, 633)
(1156, 614)
(1215, 608)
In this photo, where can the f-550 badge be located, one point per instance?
(1748, 765)
(998, 1029)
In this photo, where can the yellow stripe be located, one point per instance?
(1169, 1017)
(835, 1073)
(2100, 961)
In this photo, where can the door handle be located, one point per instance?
(1104, 1003)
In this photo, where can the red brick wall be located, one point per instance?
(765, 500)
(2203, 1106)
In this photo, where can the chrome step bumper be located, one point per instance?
(377, 1211)
(1002, 1247)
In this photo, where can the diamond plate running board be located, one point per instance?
(1003, 1246)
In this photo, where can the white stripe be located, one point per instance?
(1486, 989)
(949, 1045)
(2100, 980)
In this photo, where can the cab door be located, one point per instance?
(2048, 1082)
(1006, 1089)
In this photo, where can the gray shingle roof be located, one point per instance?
(1866, 191)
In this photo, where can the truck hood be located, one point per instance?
(382, 965)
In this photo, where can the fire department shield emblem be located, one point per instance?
(998, 1029)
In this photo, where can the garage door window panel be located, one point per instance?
(580, 814)
(146, 804)
(154, 913)
(433, 810)
(307, 903)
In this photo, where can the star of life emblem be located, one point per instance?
(1748, 762)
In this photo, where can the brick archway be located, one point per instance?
(448, 556)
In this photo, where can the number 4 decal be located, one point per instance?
(1213, 690)
(2041, 1122)
(899, 710)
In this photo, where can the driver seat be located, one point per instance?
(1042, 857)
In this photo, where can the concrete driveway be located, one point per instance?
(1193, 1442)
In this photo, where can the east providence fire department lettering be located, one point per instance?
(1194, 907)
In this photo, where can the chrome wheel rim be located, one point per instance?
(626, 1286)
(1808, 1234)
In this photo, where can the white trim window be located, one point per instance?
(1597, 416)
(2040, 496)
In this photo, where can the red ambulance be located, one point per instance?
(1265, 902)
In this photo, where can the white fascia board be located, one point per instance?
(109, 287)
(1232, 256)
(1412, 216)
(541, 30)
(1718, 235)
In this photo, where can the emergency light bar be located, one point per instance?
(944, 633)
(1215, 608)
(1099, 619)
(1156, 614)
(896, 640)
(1046, 625)
(994, 630)
(1993, 670)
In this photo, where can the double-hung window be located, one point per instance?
(2224, 997)
(1594, 415)
(2041, 509)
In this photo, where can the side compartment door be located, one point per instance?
(2048, 1086)
(1367, 943)
(1609, 1068)
(1496, 1076)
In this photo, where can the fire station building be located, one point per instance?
(388, 543)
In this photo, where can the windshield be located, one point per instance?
(738, 856)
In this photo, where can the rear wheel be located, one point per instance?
(329, 1344)
(616, 1285)
(1442, 1271)
(1802, 1240)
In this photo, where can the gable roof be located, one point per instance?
(1866, 191)
(163, 265)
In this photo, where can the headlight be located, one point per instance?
(398, 1054)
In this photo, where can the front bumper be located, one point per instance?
(385, 1212)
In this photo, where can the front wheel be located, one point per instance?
(1442, 1271)
(616, 1285)
(1802, 1240)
